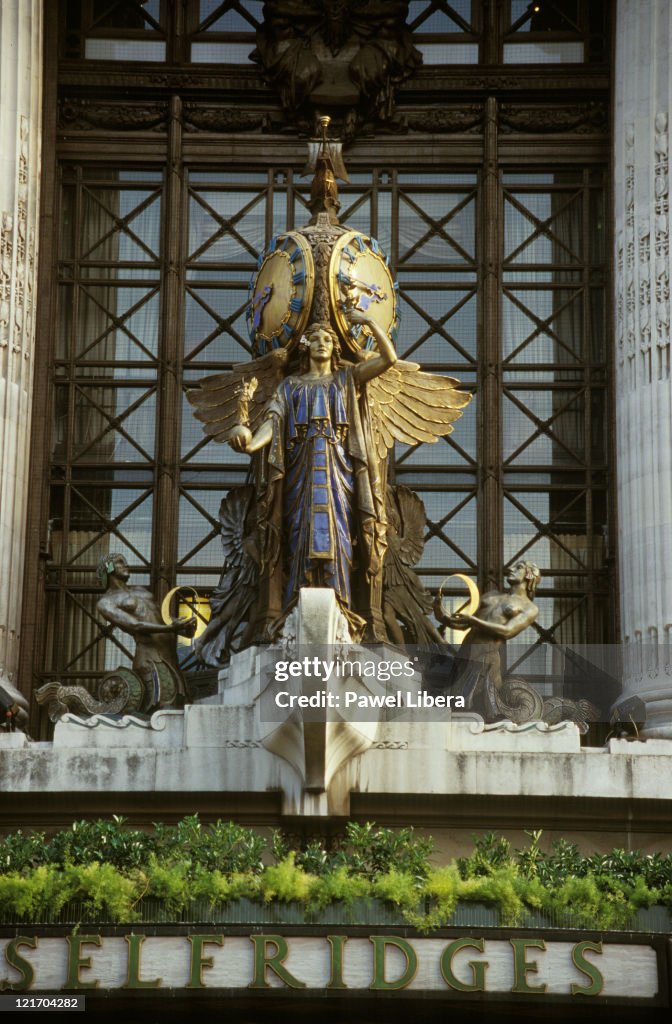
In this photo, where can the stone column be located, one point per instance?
(643, 83)
(20, 133)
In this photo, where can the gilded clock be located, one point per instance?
(360, 278)
(280, 293)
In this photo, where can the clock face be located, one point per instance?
(280, 294)
(360, 278)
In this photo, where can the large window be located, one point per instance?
(107, 375)
(554, 392)
(446, 32)
(500, 255)
(117, 355)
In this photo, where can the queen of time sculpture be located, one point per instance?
(317, 411)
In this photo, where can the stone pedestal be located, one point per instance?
(315, 746)
(20, 127)
(217, 750)
(241, 745)
(643, 79)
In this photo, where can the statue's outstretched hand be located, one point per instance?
(240, 438)
(459, 621)
(185, 625)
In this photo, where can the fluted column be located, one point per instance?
(643, 83)
(20, 128)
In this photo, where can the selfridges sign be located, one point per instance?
(525, 967)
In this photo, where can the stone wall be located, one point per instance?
(20, 134)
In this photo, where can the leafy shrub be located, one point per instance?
(529, 859)
(502, 887)
(339, 886)
(21, 895)
(314, 857)
(102, 890)
(223, 846)
(368, 850)
(99, 888)
(216, 887)
(286, 881)
(365, 850)
(107, 869)
(579, 898)
(19, 852)
(109, 842)
(490, 852)
(441, 890)
(563, 861)
(399, 888)
(169, 883)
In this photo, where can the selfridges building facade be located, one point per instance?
(511, 162)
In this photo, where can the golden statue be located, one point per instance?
(318, 410)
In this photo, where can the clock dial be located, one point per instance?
(280, 293)
(360, 278)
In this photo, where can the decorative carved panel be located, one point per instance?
(122, 116)
(581, 118)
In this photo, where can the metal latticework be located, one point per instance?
(495, 231)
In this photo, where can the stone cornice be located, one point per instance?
(247, 81)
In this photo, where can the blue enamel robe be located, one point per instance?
(330, 487)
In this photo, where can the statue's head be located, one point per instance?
(111, 565)
(315, 335)
(527, 573)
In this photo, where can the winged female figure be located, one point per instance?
(319, 432)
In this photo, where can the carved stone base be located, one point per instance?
(232, 747)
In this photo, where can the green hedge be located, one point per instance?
(110, 871)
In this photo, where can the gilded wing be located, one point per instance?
(410, 406)
(217, 399)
